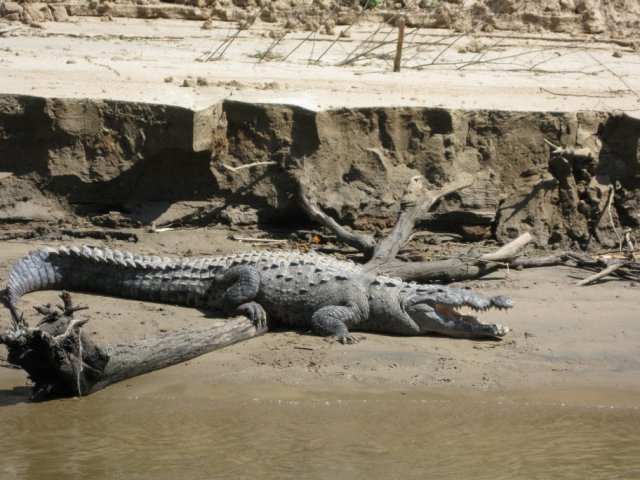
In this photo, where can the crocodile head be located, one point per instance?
(435, 309)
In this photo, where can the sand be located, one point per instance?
(153, 60)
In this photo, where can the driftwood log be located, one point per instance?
(416, 206)
(62, 360)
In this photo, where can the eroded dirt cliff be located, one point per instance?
(108, 162)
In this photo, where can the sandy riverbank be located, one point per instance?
(568, 344)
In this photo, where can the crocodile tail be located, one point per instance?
(29, 274)
(110, 272)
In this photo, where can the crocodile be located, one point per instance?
(300, 289)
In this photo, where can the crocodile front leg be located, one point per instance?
(332, 321)
(238, 298)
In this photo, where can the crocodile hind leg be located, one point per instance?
(332, 321)
(239, 296)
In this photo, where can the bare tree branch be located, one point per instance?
(603, 273)
(457, 268)
(509, 251)
(629, 270)
(388, 247)
(364, 243)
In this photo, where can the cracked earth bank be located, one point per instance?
(116, 117)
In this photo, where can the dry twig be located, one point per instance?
(248, 165)
(603, 273)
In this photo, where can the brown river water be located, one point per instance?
(117, 433)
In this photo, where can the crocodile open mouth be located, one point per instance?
(466, 316)
(458, 318)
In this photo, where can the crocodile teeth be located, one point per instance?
(466, 311)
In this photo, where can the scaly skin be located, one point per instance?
(298, 289)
